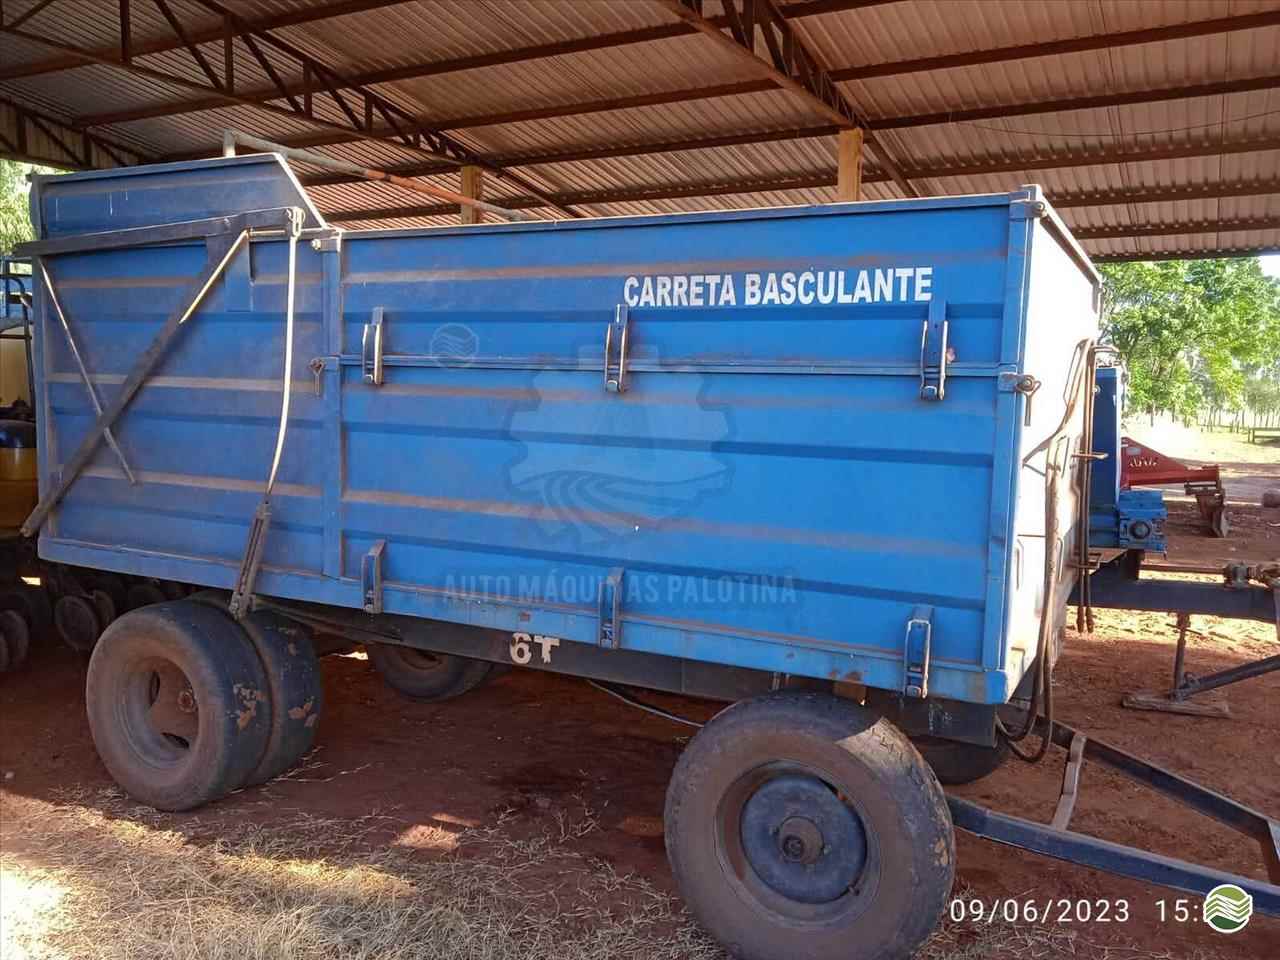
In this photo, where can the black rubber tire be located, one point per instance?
(209, 662)
(77, 621)
(113, 586)
(888, 909)
(33, 604)
(955, 763)
(296, 691)
(17, 637)
(173, 589)
(427, 677)
(106, 606)
(143, 594)
(5, 657)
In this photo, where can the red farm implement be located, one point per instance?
(1142, 466)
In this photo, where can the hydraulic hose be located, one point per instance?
(1042, 692)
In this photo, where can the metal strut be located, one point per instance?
(223, 237)
(84, 372)
(241, 596)
(1056, 840)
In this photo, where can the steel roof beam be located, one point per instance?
(787, 61)
(828, 178)
(1220, 253)
(578, 154)
(1260, 188)
(75, 148)
(806, 8)
(209, 34)
(1195, 28)
(402, 129)
(822, 179)
(571, 155)
(1055, 48)
(1175, 229)
(1257, 188)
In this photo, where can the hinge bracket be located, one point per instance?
(919, 640)
(241, 603)
(933, 352)
(609, 635)
(371, 349)
(371, 578)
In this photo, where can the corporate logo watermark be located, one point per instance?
(606, 469)
(454, 344)
(639, 588)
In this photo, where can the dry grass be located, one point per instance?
(99, 877)
(77, 882)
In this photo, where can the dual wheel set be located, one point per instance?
(798, 824)
(186, 704)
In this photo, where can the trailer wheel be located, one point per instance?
(293, 680)
(17, 638)
(424, 676)
(955, 763)
(105, 604)
(143, 595)
(77, 622)
(32, 603)
(175, 700)
(800, 825)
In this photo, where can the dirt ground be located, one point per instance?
(554, 793)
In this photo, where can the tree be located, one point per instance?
(15, 221)
(1191, 331)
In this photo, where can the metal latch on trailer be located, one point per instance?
(918, 641)
(933, 352)
(609, 635)
(615, 370)
(371, 349)
(371, 578)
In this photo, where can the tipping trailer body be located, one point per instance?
(770, 486)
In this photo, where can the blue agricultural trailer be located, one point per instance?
(829, 464)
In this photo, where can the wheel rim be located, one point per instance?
(793, 842)
(159, 713)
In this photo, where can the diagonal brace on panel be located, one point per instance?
(784, 58)
(223, 239)
(84, 371)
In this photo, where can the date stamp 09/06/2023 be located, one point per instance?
(1226, 909)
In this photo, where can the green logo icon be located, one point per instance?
(1227, 908)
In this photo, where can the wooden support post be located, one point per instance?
(472, 186)
(849, 164)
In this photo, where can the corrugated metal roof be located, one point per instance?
(1185, 144)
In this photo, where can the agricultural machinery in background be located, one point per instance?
(1142, 466)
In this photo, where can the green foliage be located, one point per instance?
(15, 222)
(1193, 333)
(1262, 396)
